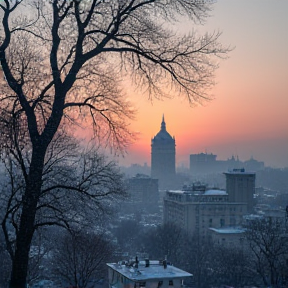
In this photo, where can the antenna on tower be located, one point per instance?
(163, 124)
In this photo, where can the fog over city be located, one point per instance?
(143, 144)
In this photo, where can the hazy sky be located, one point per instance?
(249, 115)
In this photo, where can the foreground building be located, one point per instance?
(149, 274)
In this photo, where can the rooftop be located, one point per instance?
(239, 171)
(228, 230)
(163, 135)
(155, 270)
(209, 192)
(215, 192)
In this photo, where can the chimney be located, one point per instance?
(147, 263)
(165, 264)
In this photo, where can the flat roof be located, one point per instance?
(155, 271)
(239, 172)
(215, 192)
(228, 230)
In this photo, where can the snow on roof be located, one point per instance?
(253, 216)
(154, 271)
(240, 171)
(228, 230)
(215, 192)
(207, 192)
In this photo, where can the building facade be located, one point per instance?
(241, 187)
(207, 163)
(144, 193)
(163, 158)
(149, 274)
(196, 209)
(232, 237)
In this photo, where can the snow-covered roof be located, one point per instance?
(155, 271)
(215, 192)
(252, 216)
(228, 230)
(240, 171)
(176, 191)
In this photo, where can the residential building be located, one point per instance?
(149, 274)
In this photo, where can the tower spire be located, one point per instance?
(163, 124)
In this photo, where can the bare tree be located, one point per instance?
(268, 242)
(64, 60)
(197, 258)
(78, 186)
(5, 263)
(128, 234)
(40, 251)
(80, 259)
(231, 265)
(164, 241)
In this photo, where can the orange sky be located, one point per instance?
(249, 115)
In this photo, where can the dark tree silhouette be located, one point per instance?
(78, 186)
(267, 239)
(63, 60)
(231, 265)
(197, 258)
(164, 241)
(127, 233)
(80, 259)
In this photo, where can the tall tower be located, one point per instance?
(163, 157)
(240, 186)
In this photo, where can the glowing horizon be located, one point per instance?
(249, 115)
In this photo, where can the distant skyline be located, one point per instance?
(249, 114)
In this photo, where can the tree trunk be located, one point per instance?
(27, 220)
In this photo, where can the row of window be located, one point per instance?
(160, 283)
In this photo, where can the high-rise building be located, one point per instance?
(240, 186)
(144, 194)
(196, 208)
(163, 157)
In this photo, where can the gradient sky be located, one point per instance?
(249, 115)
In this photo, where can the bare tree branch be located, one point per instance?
(68, 63)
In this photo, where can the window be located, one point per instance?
(170, 282)
(142, 284)
(222, 222)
